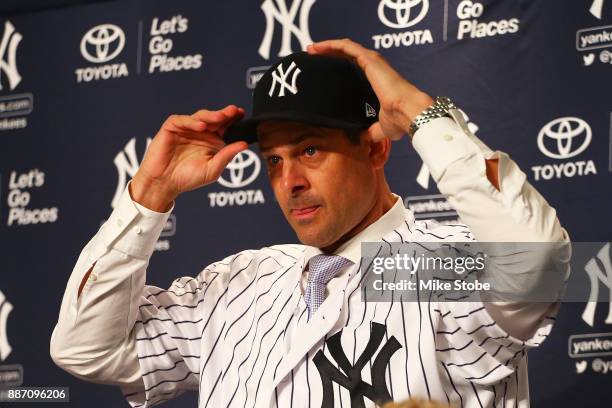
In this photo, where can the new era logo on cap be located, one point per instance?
(279, 76)
(370, 111)
(319, 90)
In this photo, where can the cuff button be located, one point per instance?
(137, 230)
(448, 137)
(119, 222)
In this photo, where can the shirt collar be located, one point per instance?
(351, 249)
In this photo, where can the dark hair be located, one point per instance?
(354, 135)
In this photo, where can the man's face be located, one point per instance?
(324, 184)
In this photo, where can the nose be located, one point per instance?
(294, 179)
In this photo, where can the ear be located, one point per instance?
(378, 149)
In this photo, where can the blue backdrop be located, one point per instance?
(83, 88)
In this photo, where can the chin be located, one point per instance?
(315, 239)
(307, 240)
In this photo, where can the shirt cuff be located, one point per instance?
(132, 228)
(443, 141)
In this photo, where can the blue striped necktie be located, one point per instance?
(321, 269)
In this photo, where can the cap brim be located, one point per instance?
(246, 129)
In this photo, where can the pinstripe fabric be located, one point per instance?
(239, 331)
(239, 334)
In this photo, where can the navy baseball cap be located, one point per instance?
(321, 90)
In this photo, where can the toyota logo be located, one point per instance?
(564, 138)
(237, 170)
(106, 41)
(401, 12)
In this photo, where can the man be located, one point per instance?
(285, 325)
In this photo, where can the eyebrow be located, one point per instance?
(303, 135)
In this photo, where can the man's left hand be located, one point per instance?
(400, 101)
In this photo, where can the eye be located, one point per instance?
(310, 151)
(273, 160)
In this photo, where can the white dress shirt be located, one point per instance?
(212, 332)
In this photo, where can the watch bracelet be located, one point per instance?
(439, 109)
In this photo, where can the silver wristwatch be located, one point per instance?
(441, 108)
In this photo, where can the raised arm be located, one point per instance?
(94, 337)
(488, 190)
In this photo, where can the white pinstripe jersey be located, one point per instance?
(238, 333)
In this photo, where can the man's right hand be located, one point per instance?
(188, 152)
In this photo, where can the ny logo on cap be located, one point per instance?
(279, 76)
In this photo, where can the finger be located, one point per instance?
(181, 123)
(208, 116)
(327, 51)
(223, 128)
(221, 159)
(368, 60)
(204, 139)
(229, 111)
(217, 116)
(223, 118)
(344, 46)
(375, 132)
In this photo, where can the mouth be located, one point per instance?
(305, 213)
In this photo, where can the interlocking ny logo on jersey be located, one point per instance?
(5, 310)
(597, 8)
(350, 376)
(279, 77)
(8, 55)
(399, 13)
(276, 10)
(596, 274)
